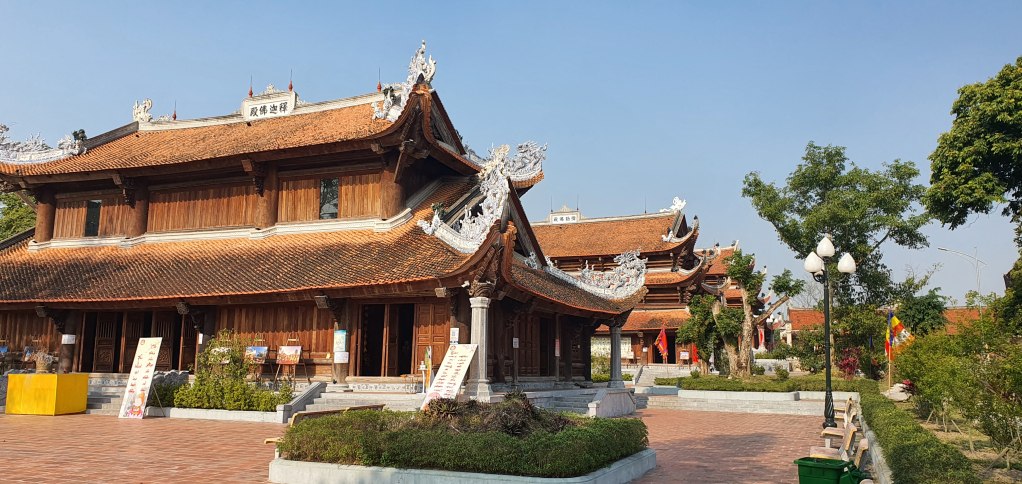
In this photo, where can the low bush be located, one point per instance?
(512, 437)
(781, 373)
(781, 351)
(220, 381)
(694, 373)
(605, 377)
(758, 370)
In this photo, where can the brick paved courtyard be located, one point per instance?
(692, 447)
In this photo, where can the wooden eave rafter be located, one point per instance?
(526, 227)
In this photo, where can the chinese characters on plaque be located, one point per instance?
(452, 373)
(141, 378)
(271, 105)
(268, 109)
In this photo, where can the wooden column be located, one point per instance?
(566, 348)
(266, 204)
(341, 310)
(587, 354)
(45, 212)
(138, 222)
(67, 351)
(558, 347)
(392, 194)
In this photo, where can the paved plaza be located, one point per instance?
(692, 447)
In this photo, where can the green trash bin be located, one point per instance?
(813, 470)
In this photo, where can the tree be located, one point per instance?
(976, 163)
(15, 215)
(862, 209)
(712, 320)
(924, 314)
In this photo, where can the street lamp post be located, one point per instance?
(816, 265)
(977, 264)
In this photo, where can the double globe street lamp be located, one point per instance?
(816, 265)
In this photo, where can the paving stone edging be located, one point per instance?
(285, 471)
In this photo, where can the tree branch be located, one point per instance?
(773, 307)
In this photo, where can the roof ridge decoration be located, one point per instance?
(469, 232)
(677, 206)
(396, 95)
(34, 150)
(623, 281)
(140, 112)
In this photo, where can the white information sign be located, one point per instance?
(514, 342)
(341, 356)
(452, 373)
(683, 355)
(67, 339)
(455, 332)
(141, 378)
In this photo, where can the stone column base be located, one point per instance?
(479, 390)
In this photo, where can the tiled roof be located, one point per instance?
(717, 265)
(546, 285)
(653, 320)
(596, 237)
(803, 318)
(153, 148)
(959, 315)
(276, 264)
(664, 278)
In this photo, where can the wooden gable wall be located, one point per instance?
(202, 207)
(358, 196)
(69, 221)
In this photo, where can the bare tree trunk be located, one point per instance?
(743, 365)
(732, 359)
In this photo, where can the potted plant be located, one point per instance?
(43, 361)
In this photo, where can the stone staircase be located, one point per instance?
(575, 401)
(106, 391)
(334, 399)
(651, 373)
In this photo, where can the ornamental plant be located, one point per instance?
(849, 363)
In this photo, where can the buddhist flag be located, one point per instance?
(896, 334)
(661, 343)
(429, 368)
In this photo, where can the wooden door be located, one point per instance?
(132, 331)
(163, 327)
(432, 328)
(390, 338)
(528, 347)
(106, 341)
(189, 339)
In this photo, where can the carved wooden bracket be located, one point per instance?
(257, 170)
(336, 306)
(196, 313)
(8, 187)
(128, 186)
(451, 293)
(59, 316)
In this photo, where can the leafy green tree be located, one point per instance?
(864, 328)
(975, 164)
(923, 314)
(15, 215)
(862, 209)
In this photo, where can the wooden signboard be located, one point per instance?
(141, 378)
(452, 373)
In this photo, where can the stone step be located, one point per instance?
(103, 399)
(101, 411)
(316, 407)
(104, 406)
(585, 399)
(581, 410)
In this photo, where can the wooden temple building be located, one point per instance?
(676, 271)
(287, 221)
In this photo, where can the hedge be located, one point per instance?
(914, 454)
(464, 443)
(604, 378)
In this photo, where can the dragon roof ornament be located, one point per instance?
(470, 231)
(396, 95)
(34, 150)
(140, 112)
(677, 206)
(624, 280)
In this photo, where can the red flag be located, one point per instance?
(661, 343)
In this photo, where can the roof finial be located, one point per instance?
(290, 81)
(249, 86)
(379, 77)
(174, 117)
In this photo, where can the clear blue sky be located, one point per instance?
(639, 102)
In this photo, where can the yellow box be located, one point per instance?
(46, 394)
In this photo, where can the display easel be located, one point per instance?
(257, 374)
(290, 370)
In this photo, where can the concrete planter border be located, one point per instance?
(210, 414)
(285, 471)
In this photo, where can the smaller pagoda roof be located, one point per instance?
(802, 318)
(608, 237)
(653, 320)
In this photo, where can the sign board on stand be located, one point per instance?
(683, 355)
(452, 373)
(141, 378)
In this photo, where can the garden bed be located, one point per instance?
(512, 437)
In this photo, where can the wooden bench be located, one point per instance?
(839, 431)
(299, 416)
(842, 452)
(848, 404)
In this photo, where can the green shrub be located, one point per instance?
(781, 351)
(781, 373)
(601, 378)
(220, 380)
(166, 394)
(601, 364)
(695, 373)
(549, 444)
(627, 377)
(758, 370)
